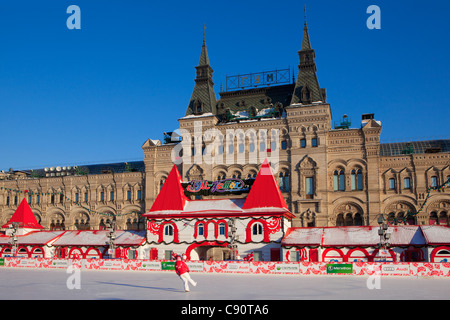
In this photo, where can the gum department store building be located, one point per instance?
(329, 175)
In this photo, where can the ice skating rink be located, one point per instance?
(132, 285)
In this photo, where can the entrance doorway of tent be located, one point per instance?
(209, 251)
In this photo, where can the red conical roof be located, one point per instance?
(265, 191)
(24, 216)
(171, 196)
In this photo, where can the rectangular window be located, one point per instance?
(391, 183)
(309, 186)
(128, 195)
(102, 196)
(303, 143)
(77, 197)
(353, 181)
(168, 255)
(406, 183)
(286, 183)
(38, 199)
(359, 180)
(434, 182)
(85, 197)
(336, 182)
(341, 181)
(262, 147)
(284, 144)
(314, 142)
(294, 256)
(273, 145)
(201, 230)
(139, 194)
(222, 229)
(111, 196)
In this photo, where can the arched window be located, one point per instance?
(339, 180)
(257, 229)
(340, 220)
(443, 218)
(357, 220)
(283, 181)
(201, 229)
(262, 141)
(168, 230)
(356, 179)
(161, 183)
(251, 147)
(251, 175)
(348, 219)
(433, 218)
(221, 229)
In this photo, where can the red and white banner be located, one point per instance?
(419, 269)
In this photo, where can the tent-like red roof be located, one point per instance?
(171, 197)
(24, 216)
(265, 192)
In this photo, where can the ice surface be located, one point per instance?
(99, 285)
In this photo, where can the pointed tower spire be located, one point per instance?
(203, 99)
(306, 43)
(307, 89)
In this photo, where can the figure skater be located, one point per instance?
(182, 271)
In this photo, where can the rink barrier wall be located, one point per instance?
(419, 269)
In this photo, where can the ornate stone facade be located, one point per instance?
(328, 176)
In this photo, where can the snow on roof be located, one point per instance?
(33, 238)
(215, 207)
(368, 236)
(353, 236)
(436, 235)
(303, 237)
(99, 238)
(206, 114)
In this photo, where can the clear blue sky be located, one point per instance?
(95, 95)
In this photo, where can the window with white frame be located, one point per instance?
(257, 229)
(221, 229)
(201, 229)
(168, 230)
